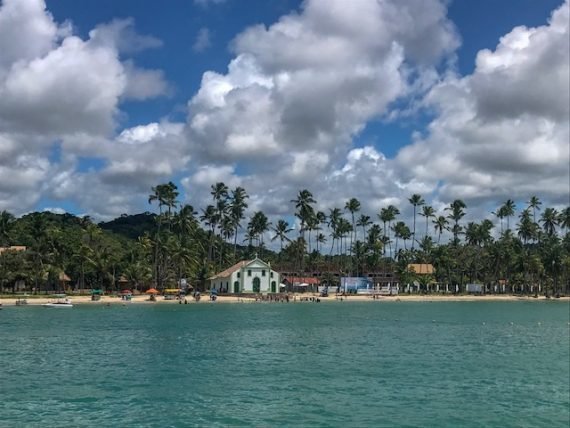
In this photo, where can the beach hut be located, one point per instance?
(61, 279)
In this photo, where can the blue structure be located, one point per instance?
(356, 284)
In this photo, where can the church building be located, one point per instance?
(253, 276)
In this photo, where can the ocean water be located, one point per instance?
(392, 364)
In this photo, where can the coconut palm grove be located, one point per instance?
(526, 250)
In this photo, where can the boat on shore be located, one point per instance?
(62, 302)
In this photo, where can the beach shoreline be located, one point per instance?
(296, 298)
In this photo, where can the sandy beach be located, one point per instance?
(297, 298)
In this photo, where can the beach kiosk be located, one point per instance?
(96, 295)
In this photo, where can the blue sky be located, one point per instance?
(142, 92)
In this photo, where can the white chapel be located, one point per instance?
(253, 276)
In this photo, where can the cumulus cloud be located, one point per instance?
(312, 80)
(504, 130)
(298, 92)
(286, 113)
(26, 31)
(55, 86)
(203, 40)
(121, 35)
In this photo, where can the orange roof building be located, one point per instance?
(421, 268)
(13, 248)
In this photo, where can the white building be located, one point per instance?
(253, 276)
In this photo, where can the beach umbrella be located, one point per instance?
(126, 292)
(152, 291)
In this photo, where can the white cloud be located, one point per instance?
(142, 84)
(55, 210)
(54, 86)
(206, 3)
(73, 88)
(285, 114)
(503, 131)
(120, 34)
(26, 32)
(299, 91)
(203, 40)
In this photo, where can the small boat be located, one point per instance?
(62, 302)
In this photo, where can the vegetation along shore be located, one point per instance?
(521, 250)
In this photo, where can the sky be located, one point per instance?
(374, 99)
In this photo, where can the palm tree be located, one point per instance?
(500, 213)
(564, 219)
(343, 229)
(353, 206)
(335, 214)
(509, 210)
(457, 213)
(84, 256)
(226, 232)
(526, 227)
(401, 231)
(440, 224)
(485, 231)
(158, 194)
(304, 208)
(219, 191)
(185, 222)
(363, 221)
(182, 257)
(237, 210)
(549, 221)
(320, 239)
(387, 215)
(472, 235)
(320, 218)
(281, 230)
(210, 219)
(374, 240)
(258, 225)
(427, 212)
(312, 223)
(6, 224)
(165, 195)
(416, 200)
(535, 204)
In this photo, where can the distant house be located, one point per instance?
(421, 268)
(301, 283)
(13, 248)
(248, 276)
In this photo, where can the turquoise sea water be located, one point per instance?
(397, 364)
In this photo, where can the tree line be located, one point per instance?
(181, 243)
